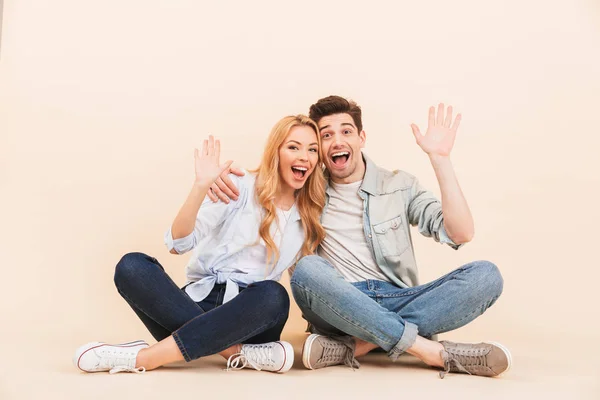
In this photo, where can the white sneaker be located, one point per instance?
(273, 357)
(100, 357)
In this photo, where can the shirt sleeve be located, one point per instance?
(210, 216)
(425, 211)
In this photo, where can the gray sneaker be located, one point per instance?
(322, 351)
(483, 359)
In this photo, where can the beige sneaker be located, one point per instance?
(322, 351)
(483, 359)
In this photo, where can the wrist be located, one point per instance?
(438, 158)
(203, 183)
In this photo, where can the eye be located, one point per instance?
(347, 131)
(293, 147)
(326, 135)
(313, 150)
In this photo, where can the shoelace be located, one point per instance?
(334, 351)
(119, 361)
(257, 356)
(461, 359)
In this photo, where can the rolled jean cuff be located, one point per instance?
(182, 349)
(406, 341)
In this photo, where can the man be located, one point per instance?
(362, 291)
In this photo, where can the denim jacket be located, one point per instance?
(392, 202)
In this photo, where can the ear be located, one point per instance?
(363, 138)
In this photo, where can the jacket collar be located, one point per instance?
(371, 178)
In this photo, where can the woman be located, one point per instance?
(240, 251)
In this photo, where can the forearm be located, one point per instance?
(458, 220)
(185, 220)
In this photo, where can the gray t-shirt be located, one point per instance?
(345, 245)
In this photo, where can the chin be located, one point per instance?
(298, 185)
(294, 185)
(339, 174)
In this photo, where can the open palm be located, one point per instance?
(441, 132)
(206, 160)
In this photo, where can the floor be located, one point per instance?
(42, 369)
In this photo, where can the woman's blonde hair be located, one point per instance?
(310, 199)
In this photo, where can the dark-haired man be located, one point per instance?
(362, 290)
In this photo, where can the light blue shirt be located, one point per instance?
(227, 247)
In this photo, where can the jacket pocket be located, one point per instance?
(391, 236)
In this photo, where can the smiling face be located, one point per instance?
(341, 142)
(298, 156)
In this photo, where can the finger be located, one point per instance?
(204, 147)
(237, 171)
(217, 150)
(227, 181)
(416, 132)
(220, 194)
(211, 194)
(225, 166)
(196, 155)
(456, 122)
(211, 145)
(448, 120)
(431, 120)
(226, 189)
(440, 115)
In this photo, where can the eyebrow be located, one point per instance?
(297, 142)
(343, 123)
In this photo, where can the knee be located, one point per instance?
(308, 270)
(489, 279)
(313, 275)
(275, 301)
(129, 267)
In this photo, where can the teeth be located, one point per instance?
(300, 168)
(341, 153)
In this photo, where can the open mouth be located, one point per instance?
(299, 172)
(340, 158)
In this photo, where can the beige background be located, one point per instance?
(102, 102)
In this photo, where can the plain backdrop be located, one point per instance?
(103, 102)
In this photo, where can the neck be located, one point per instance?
(286, 197)
(357, 175)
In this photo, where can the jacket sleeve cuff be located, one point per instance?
(445, 239)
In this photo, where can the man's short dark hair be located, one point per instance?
(331, 105)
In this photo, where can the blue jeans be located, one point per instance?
(256, 315)
(384, 314)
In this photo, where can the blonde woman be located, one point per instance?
(232, 303)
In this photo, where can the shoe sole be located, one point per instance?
(506, 352)
(289, 357)
(306, 350)
(94, 345)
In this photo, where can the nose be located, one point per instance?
(304, 155)
(337, 139)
